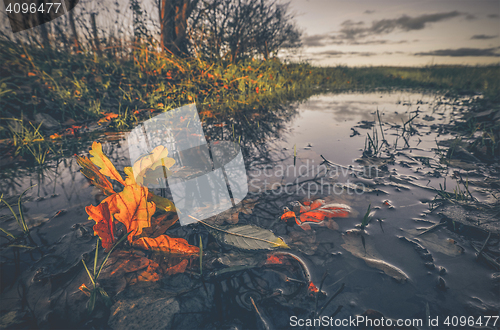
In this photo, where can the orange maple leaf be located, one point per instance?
(130, 207)
(104, 223)
(164, 243)
(106, 167)
(91, 172)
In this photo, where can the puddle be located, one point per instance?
(388, 265)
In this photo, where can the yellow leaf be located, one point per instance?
(158, 157)
(162, 203)
(106, 167)
(131, 208)
(129, 180)
(92, 173)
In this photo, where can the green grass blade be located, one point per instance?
(88, 272)
(7, 233)
(21, 214)
(109, 253)
(96, 255)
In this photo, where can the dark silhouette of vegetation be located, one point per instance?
(236, 29)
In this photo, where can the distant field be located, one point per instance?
(85, 86)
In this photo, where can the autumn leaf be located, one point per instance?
(108, 117)
(104, 223)
(129, 262)
(160, 224)
(319, 211)
(150, 274)
(167, 244)
(179, 268)
(288, 215)
(312, 288)
(163, 204)
(337, 210)
(106, 167)
(130, 179)
(317, 204)
(312, 216)
(131, 208)
(91, 172)
(158, 157)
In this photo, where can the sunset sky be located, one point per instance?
(398, 32)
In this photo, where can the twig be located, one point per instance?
(431, 228)
(332, 297)
(484, 246)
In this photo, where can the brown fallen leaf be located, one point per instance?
(160, 224)
(164, 243)
(436, 244)
(353, 243)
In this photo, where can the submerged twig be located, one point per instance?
(331, 298)
(431, 228)
(484, 246)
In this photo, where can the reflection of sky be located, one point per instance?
(393, 32)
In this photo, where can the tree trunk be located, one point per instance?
(174, 15)
(97, 43)
(74, 37)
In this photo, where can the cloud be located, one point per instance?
(320, 40)
(470, 17)
(493, 15)
(317, 40)
(462, 52)
(336, 53)
(483, 36)
(352, 30)
(369, 11)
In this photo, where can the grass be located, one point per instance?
(97, 291)
(134, 84)
(21, 222)
(457, 195)
(85, 85)
(28, 140)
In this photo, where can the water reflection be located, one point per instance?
(282, 147)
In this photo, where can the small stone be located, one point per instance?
(442, 270)
(441, 284)
(430, 265)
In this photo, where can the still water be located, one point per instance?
(379, 151)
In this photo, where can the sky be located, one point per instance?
(398, 32)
